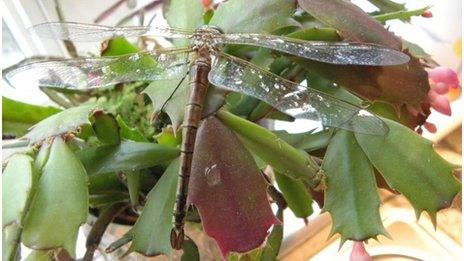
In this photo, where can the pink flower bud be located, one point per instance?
(359, 253)
(427, 14)
(443, 75)
(432, 128)
(439, 102)
(441, 88)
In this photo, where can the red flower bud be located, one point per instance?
(427, 14)
(432, 128)
(207, 3)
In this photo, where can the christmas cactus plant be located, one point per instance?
(112, 154)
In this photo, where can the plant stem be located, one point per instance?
(98, 229)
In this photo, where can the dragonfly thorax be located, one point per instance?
(206, 38)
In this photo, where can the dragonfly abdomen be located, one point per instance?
(193, 112)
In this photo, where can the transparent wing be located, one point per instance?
(88, 73)
(241, 76)
(79, 32)
(327, 52)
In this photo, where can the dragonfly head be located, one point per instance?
(205, 38)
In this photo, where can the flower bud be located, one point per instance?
(359, 252)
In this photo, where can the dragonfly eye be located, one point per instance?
(211, 29)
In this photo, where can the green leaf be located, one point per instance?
(129, 133)
(264, 110)
(190, 251)
(60, 204)
(207, 16)
(296, 194)
(387, 5)
(322, 84)
(151, 232)
(18, 184)
(160, 92)
(252, 255)
(108, 199)
(282, 156)
(244, 106)
(316, 34)
(119, 46)
(410, 165)
(10, 242)
(351, 196)
(133, 185)
(167, 137)
(126, 156)
(186, 15)
(106, 127)
(403, 15)
(42, 156)
(353, 23)
(60, 123)
(105, 182)
(308, 141)
(259, 16)
(17, 116)
(274, 240)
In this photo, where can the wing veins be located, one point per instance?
(289, 97)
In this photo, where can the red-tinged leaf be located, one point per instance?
(398, 85)
(240, 215)
(351, 21)
(402, 116)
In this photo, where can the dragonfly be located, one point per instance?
(207, 65)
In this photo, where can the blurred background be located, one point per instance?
(439, 35)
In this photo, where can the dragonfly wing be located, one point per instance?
(93, 33)
(299, 101)
(88, 73)
(327, 52)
